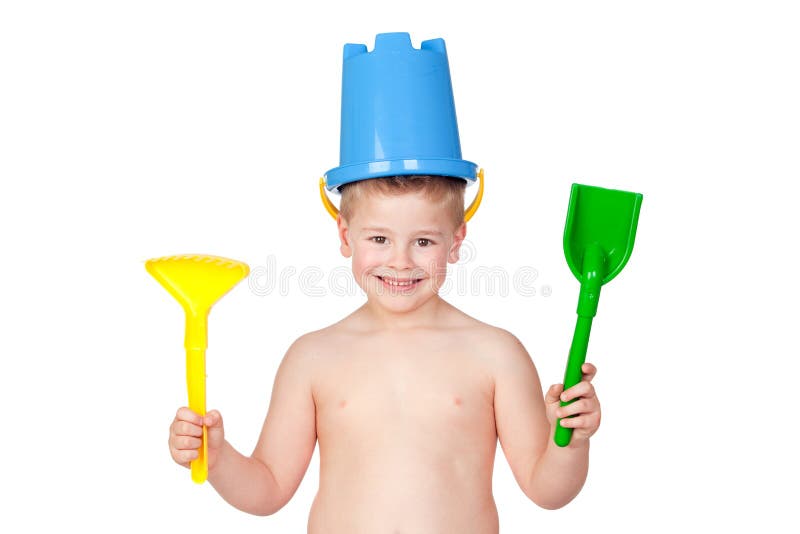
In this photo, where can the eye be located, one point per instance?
(424, 242)
(381, 239)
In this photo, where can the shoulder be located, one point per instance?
(314, 348)
(310, 344)
(303, 353)
(505, 342)
(490, 336)
(490, 339)
(300, 365)
(503, 350)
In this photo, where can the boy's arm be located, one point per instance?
(549, 475)
(264, 482)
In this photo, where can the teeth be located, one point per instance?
(396, 283)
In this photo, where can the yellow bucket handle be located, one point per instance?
(468, 213)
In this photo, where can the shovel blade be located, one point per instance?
(606, 218)
(598, 241)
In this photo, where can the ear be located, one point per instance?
(458, 238)
(344, 236)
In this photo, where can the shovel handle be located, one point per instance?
(589, 297)
(196, 384)
(573, 373)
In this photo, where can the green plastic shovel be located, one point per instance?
(598, 240)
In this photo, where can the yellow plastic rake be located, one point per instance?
(197, 282)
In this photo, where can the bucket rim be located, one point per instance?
(354, 172)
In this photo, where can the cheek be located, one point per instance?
(432, 260)
(364, 260)
(367, 256)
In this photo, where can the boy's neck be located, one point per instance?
(426, 316)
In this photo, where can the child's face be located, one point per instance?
(400, 238)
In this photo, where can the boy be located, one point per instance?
(407, 395)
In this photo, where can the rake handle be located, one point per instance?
(196, 342)
(196, 385)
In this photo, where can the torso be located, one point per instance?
(406, 430)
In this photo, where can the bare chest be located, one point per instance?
(411, 390)
(407, 437)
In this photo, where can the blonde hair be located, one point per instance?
(446, 191)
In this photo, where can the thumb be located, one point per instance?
(213, 419)
(216, 432)
(554, 393)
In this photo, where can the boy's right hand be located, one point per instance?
(185, 436)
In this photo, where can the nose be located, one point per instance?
(400, 259)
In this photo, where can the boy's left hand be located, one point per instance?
(587, 406)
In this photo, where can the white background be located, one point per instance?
(131, 130)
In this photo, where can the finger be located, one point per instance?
(581, 406)
(589, 371)
(581, 421)
(185, 443)
(581, 389)
(185, 414)
(184, 457)
(182, 428)
(553, 392)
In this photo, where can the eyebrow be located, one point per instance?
(387, 231)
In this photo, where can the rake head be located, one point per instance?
(197, 281)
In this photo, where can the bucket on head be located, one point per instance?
(398, 113)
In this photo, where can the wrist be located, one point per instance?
(220, 458)
(576, 446)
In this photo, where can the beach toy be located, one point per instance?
(331, 208)
(197, 282)
(598, 241)
(398, 116)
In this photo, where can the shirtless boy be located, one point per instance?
(407, 396)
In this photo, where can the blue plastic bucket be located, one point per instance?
(398, 113)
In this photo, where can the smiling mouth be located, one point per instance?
(395, 282)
